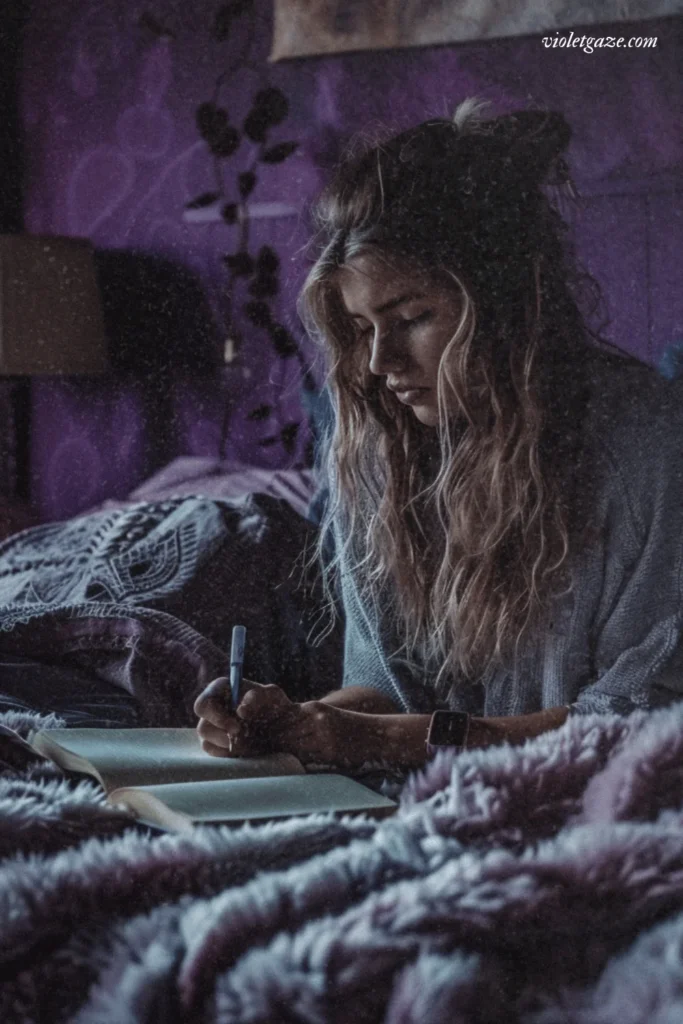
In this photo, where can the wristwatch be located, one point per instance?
(448, 729)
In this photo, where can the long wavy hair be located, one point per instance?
(459, 535)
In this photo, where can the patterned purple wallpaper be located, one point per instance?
(113, 154)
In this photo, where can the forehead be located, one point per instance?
(369, 281)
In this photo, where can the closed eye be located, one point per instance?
(401, 325)
(416, 321)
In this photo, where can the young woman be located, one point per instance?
(505, 490)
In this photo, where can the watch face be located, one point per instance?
(448, 729)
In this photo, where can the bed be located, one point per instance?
(540, 884)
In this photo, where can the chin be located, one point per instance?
(426, 415)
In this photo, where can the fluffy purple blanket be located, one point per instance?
(541, 884)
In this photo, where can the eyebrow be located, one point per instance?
(386, 307)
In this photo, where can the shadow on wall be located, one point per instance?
(157, 317)
(96, 438)
(159, 329)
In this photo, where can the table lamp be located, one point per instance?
(51, 322)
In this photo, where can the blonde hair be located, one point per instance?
(463, 556)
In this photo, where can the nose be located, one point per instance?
(385, 355)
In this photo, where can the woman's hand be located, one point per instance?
(267, 721)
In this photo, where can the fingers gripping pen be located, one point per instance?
(239, 637)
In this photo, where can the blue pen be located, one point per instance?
(239, 638)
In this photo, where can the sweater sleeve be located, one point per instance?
(636, 643)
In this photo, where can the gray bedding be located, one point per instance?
(141, 601)
(538, 885)
(535, 885)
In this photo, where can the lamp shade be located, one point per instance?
(50, 307)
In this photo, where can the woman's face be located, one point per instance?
(406, 319)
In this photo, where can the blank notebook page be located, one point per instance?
(136, 757)
(268, 797)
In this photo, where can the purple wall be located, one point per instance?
(113, 154)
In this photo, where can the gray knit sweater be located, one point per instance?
(614, 642)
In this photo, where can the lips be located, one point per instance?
(408, 395)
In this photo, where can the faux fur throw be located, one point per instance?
(540, 884)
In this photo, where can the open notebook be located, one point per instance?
(164, 777)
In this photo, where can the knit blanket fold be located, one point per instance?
(538, 884)
(145, 597)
